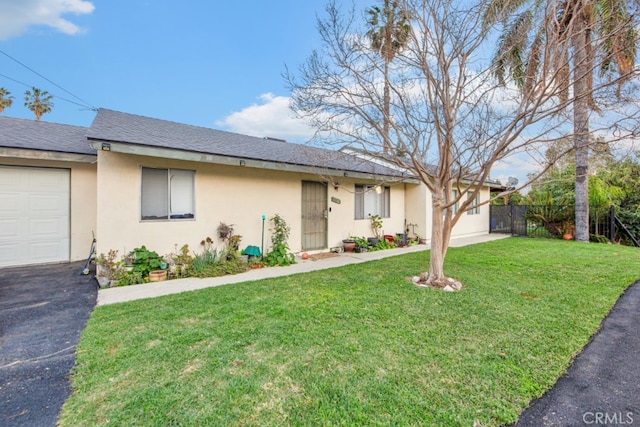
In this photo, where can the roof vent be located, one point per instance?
(274, 139)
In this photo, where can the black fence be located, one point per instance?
(558, 221)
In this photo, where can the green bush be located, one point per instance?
(207, 258)
(145, 261)
(279, 254)
(384, 244)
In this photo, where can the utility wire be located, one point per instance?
(86, 104)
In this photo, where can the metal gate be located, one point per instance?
(508, 219)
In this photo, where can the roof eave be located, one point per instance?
(31, 154)
(174, 154)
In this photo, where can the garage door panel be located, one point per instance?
(34, 215)
(48, 204)
(47, 180)
(13, 229)
(11, 181)
(47, 228)
(45, 251)
(11, 204)
(9, 252)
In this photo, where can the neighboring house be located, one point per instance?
(418, 204)
(47, 192)
(137, 181)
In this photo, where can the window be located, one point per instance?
(167, 194)
(372, 200)
(454, 196)
(476, 201)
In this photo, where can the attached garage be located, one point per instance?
(34, 215)
(47, 192)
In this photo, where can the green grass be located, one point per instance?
(358, 345)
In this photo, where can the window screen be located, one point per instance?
(372, 200)
(167, 194)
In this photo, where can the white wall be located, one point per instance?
(418, 200)
(231, 194)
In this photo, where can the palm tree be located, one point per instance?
(5, 99)
(38, 101)
(537, 41)
(388, 33)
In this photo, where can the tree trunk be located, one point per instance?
(436, 259)
(440, 233)
(387, 106)
(581, 130)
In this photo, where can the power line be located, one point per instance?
(86, 104)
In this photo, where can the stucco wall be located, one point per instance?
(473, 225)
(231, 194)
(419, 212)
(83, 200)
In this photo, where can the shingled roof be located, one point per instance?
(114, 126)
(43, 136)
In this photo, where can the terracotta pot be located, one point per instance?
(349, 245)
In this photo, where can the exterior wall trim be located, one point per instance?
(167, 153)
(21, 153)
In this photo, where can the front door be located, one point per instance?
(314, 215)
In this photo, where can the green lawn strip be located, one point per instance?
(357, 345)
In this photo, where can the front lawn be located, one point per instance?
(357, 345)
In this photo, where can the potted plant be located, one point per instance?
(349, 244)
(231, 241)
(147, 262)
(376, 227)
(107, 268)
(362, 244)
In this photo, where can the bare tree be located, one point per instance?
(450, 119)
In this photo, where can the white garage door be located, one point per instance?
(34, 215)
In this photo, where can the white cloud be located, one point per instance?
(517, 166)
(271, 117)
(18, 15)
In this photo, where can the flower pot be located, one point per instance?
(157, 275)
(373, 240)
(349, 245)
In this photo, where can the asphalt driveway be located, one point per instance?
(43, 309)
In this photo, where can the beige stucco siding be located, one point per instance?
(342, 216)
(473, 225)
(418, 202)
(82, 204)
(231, 194)
(418, 207)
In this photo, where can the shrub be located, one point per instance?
(383, 244)
(279, 254)
(146, 261)
(180, 261)
(209, 256)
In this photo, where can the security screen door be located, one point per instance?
(314, 215)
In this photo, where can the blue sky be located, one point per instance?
(208, 63)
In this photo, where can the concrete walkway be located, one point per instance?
(152, 290)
